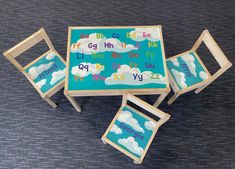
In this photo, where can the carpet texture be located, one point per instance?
(201, 131)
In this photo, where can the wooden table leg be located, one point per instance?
(160, 99)
(73, 102)
(173, 98)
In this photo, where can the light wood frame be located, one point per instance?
(163, 117)
(70, 94)
(26, 44)
(217, 53)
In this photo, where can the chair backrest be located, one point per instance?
(26, 44)
(215, 51)
(163, 117)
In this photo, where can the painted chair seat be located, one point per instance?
(187, 72)
(187, 69)
(131, 131)
(47, 72)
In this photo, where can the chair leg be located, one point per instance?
(103, 140)
(50, 102)
(173, 98)
(137, 162)
(160, 99)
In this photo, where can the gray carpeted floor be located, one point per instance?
(201, 131)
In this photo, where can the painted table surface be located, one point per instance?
(132, 131)
(186, 70)
(47, 72)
(111, 58)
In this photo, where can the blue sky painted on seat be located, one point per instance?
(131, 131)
(186, 70)
(47, 72)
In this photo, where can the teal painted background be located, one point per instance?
(183, 68)
(43, 70)
(114, 137)
(89, 84)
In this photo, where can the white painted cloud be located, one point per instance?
(150, 125)
(41, 83)
(131, 145)
(116, 129)
(50, 56)
(189, 60)
(35, 71)
(175, 62)
(58, 75)
(179, 77)
(80, 71)
(203, 75)
(82, 45)
(127, 118)
(126, 75)
(137, 34)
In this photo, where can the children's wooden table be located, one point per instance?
(111, 60)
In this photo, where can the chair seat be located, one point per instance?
(47, 72)
(187, 70)
(131, 132)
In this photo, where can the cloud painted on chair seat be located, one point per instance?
(41, 83)
(127, 118)
(175, 62)
(82, 45)
(35, 71)
(58, 75)
(125, 75)
(116, 129)
(203, 75)
(189, 60)
(131, 145)
(137, 34)
(50, 56)
(180, 78)
(150, 125)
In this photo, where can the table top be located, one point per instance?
(110, 60)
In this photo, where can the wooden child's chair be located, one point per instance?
(131, 131)
(187, 72)
(47, 72)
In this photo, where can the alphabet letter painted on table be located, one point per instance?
(81, 66)
(149, 65)
(78, 57)
(133, 55)
(84, 36)
(116, 55)
(150, 54)
(146, 35)
(99, 35)
(137, 76)
(108, 45)
(131, 65)
(93, 46)
(77, 77)
(116, 35)
(152, 44)
(116, 66)
(76, 45)
(154, 76)
(98, 66)
(118, 76)
(98, 77)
